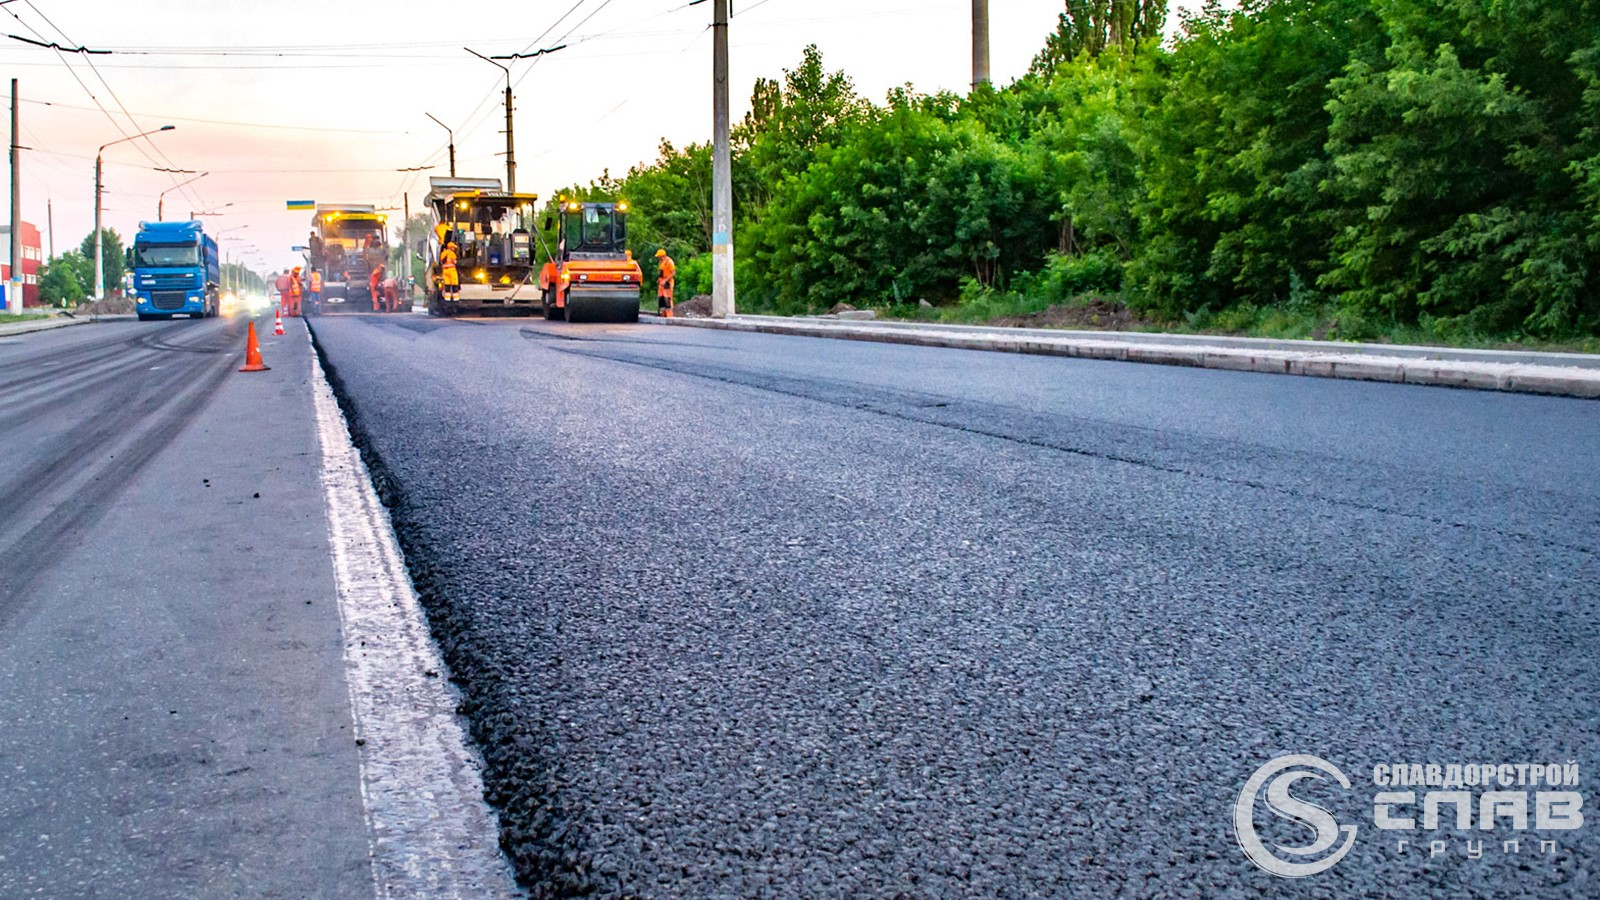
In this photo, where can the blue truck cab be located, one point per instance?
(176, 271)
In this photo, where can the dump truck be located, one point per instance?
(493, 233)
(347, 242)
(175, 271)
(592, 275)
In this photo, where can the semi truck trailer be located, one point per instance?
(176, 271)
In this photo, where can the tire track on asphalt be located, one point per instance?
(68, 487)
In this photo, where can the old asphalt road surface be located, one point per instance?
(741, 615)
(196, 698)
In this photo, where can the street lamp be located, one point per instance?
(452, 143)
(99, 267)
(161, 200)
(220, 239)
(511, 153)
(208, 212)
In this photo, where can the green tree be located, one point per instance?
(1457, 169)
(1093, 26)
(113, 258)
(786, 125)
(1232, 156)
(61, 283)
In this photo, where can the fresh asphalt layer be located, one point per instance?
(175, 633)
(742, 614)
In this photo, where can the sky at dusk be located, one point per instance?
(327, 101)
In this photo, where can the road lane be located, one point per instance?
(175, 719)
(739, 613)
(81, 411)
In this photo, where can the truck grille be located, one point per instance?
(168, 299)
(171, 281)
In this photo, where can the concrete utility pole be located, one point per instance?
(980, 42)
(99, 266)
(452, 143)
(50, 224)
(722, 304)
(511, 149)
(14, 286)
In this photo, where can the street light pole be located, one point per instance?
(162, 199)
(99, 265)
(511, 150)
(452, 143)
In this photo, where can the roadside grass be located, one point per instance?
(6, 319)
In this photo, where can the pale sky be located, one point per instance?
(324, 101)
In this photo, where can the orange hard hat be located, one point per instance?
(661, 252)
(450, 246)
(297, 268)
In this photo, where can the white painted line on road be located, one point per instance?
(431, 833)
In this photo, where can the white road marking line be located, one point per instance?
(431, 833)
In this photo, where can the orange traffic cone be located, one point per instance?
(252, 353)
(277, 322)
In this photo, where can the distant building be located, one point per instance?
(32, 261)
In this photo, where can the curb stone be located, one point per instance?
(1362, 363)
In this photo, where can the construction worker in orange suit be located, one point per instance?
(282, 286)
(316, 291)
(375, 284)
(665, 283)
(449, 279)
(296, 288)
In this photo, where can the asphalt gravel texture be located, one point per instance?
(741, 614)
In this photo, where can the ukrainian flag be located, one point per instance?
(302, 204)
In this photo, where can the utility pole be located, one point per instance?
(980, 42)
(50, 224)
(722, 304)
(405, 248)
(511, 150)
(14, 285)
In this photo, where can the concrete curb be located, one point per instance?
(1359, 362)
(42, 325)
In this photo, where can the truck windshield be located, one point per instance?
(597, 230)
(166, 256)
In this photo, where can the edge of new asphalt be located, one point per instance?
(1557, 374)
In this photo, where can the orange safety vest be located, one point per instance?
(294, 285)
(669, 277)
(447, 267)
(316, 282)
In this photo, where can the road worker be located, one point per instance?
(666, 282)
(316, 292)
(375, 285)
(282, 286)
(449, 280)
(296, 288)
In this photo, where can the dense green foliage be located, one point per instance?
(62, 282)
(1390, 165)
